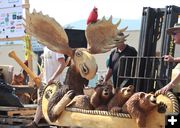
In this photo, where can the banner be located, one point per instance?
(11, 22)
(10, 3)
(36, 47)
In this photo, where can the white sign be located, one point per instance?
(11, 22)
(10, 3)
(36, 46)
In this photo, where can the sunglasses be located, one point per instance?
(174, 33)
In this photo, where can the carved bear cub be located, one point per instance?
(141, 104)
(101, 96)
(119, 99)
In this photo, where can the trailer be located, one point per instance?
(148, 73)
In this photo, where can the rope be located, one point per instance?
(98, 112)
(170, 95)
(173, 99)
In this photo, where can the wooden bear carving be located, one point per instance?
(119, 99)
(101, 96)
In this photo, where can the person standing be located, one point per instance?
(122, 50)
(175, 32)
(54, 64)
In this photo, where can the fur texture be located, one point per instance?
(119, 99)
(57, 96)
(18, 79)
(81, 101)
(25, 98)
(139, 105)
(75, 81)
(101, 96)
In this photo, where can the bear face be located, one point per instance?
(147, 100)
(143, 101)
(120, 97)
(106, 92)
(101, 96)
(126, 92)
(139, 105)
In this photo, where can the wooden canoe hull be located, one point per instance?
(94, 118)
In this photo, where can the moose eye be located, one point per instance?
(84, 68)
(78, 53)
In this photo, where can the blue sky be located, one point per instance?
(132, 24)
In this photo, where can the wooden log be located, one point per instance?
(13, 111)
(36, 79)
(14, 120)
(154, 120)
(91, 119)
(101, 119)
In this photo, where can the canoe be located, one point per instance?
(101, 119)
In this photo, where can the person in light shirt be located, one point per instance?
(175, 31)
(53, 66)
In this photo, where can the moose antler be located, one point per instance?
(103, 35)
(48, 32)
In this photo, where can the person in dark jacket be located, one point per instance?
(122, 50)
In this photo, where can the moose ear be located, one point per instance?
(141, 95)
